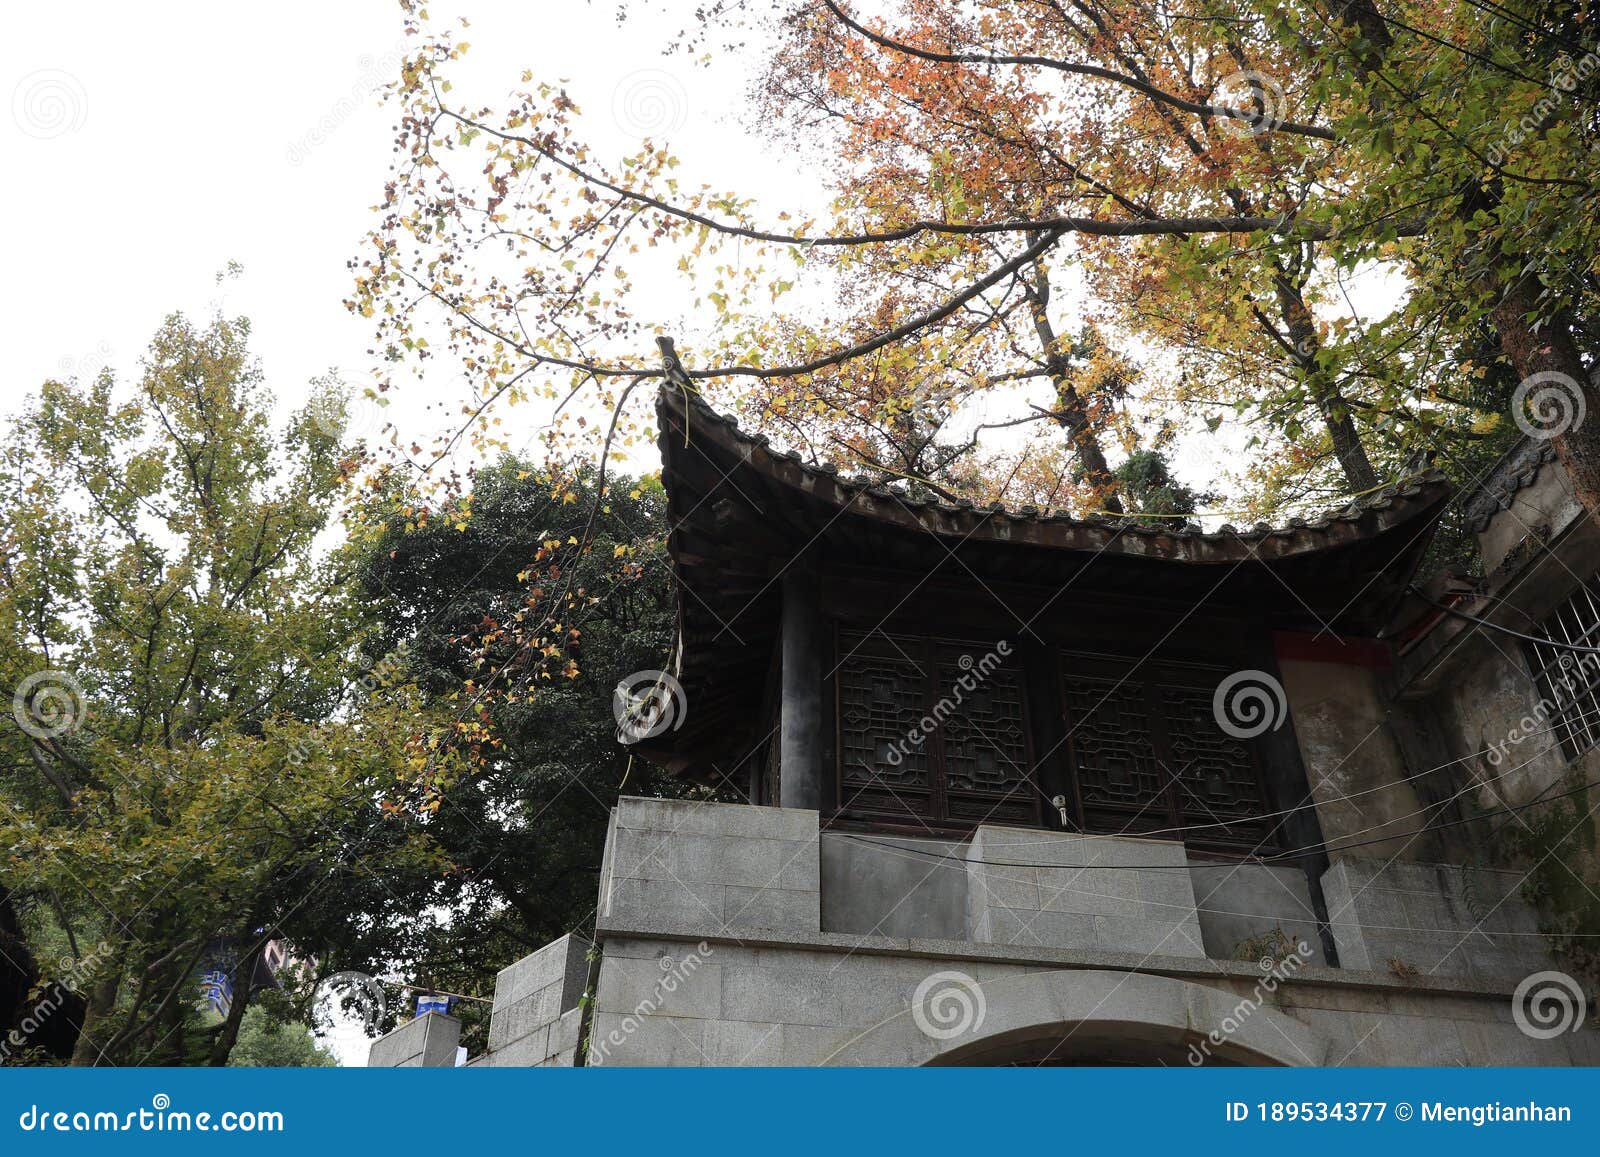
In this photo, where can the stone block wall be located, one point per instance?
(840, 1004)
(429, 1041)
(714, 866)
(1093, 944)
(1099, 893)
(1433, 919)
(536, 1015)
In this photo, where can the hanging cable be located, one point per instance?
(1455, 614)
(1290, 856)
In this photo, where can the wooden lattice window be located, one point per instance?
(1145, 754)
(932, 733)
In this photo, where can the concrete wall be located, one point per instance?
(888, 886)
(1240, 905)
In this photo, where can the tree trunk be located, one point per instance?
(244, 974)
(102, 1001)
(1551, 350)
(1335, 411)
(1070, 412)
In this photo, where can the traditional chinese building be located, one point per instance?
(1025, 788)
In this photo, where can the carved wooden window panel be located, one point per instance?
(1145, 754)
(932, 733)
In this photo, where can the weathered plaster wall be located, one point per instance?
(1492, 706)
(1543, 507)
(1353, 764)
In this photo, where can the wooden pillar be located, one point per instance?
(800, 746)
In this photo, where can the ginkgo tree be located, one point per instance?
(194, 762)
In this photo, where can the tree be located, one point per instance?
(268, 1043)
(521, 636)
(193, 761)
(1216, 170)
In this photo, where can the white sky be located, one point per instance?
(149, 146)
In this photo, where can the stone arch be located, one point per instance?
(1094, 1016)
